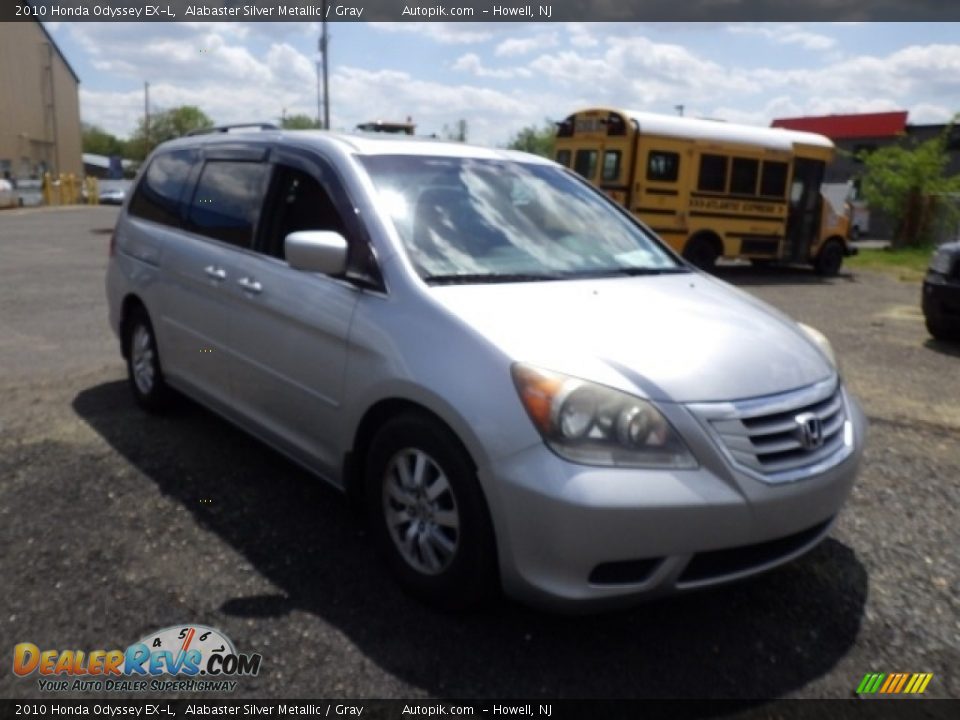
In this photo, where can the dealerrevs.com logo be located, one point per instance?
(200, 658)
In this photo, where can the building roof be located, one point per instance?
(837, 127)
(53, 44)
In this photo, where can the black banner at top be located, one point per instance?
(477, 10)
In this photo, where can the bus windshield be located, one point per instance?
(474, 220)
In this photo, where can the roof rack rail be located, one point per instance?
(228, 128)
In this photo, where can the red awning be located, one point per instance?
(837, 127)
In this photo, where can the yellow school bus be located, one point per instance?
(713, 189)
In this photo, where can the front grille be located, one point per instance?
(765, 436)
(719, 563)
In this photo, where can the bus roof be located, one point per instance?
(720, 131)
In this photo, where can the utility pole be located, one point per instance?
(324, 44)
(146, 116)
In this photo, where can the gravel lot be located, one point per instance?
(114, 524)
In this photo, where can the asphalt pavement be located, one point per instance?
(114, 523)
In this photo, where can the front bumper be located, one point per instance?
(580, 538)
(941, 295)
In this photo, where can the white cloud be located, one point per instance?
(472, 64)
(785, 35)
(524, 45)
(441, 32)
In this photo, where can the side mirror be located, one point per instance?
(321, 251)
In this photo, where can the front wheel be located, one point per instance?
(428, 513)
(829, 259)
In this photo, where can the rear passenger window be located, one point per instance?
(159, 195)
(227, 201)
(743, 177)
(663, 166)
(713, 173)
(773, 182)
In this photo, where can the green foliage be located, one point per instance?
(536, 140)
(98, 141)
(909, 183)
(458, 132)
(298, 122)
(164, 126)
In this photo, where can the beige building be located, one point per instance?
(39, 104)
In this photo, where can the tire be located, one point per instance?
(829, 259)
(144, 371)
(941, 328)
(702, 252)
(440, 549)
(762, 263)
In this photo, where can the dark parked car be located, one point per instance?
(941, 293)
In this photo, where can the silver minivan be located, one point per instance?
(524, 387)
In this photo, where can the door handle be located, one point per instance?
(250, 285)
(216, 273)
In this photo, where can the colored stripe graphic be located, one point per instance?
(894, 683)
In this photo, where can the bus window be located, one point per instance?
(563, 157)
(743, 176)
(773, 182)
(586, 163)
(713, 173)
(663, 166)
(611, 165)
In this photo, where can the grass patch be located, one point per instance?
(908, 264)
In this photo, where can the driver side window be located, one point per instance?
(299, 203)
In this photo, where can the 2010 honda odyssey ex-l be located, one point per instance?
(525, 387)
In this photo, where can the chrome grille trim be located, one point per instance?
(761, 435)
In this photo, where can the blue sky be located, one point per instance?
(502, 77)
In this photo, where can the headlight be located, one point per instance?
(941, 262)
(592, 424)
(820, 340)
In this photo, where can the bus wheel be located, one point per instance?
(829, 259)
(702, 251)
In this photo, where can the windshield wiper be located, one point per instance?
(633, 271)
(477, 278)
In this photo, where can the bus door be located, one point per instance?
(614, 172)
(803, 218)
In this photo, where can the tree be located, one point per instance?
(536, 140)
(458, 132)
(98, 141)
(906, 182)
(298, 122)
(164, 126)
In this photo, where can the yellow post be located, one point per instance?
(47, 189)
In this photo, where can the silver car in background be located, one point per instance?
(525, 388)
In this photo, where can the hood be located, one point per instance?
(679, 338)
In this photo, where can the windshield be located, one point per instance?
(468, 220)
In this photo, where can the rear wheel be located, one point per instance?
(144, 372)
(829, 259)
(428, 513)
(702, 251)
